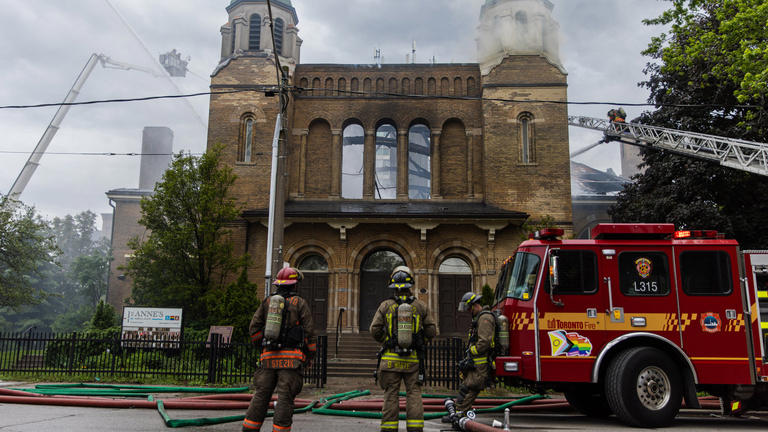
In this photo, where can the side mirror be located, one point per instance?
(554, 278)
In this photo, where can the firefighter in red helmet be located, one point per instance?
(283, 327)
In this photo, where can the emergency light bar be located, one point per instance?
(709, 234)
(548, 234)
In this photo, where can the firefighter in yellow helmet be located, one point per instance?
(403, 326)
(475, 368)
(283, 327)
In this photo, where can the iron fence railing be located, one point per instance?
(211, 361)
(441, 358)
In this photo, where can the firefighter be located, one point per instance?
(475, 368)
(617, 115)
(283, 327)
(403, 326)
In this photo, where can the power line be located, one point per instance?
(274, 89)
(98, 153)
(138, 99)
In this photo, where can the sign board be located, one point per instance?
(224, 331)
(161, 326)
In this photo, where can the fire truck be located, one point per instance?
(641, 317)
(637, 319)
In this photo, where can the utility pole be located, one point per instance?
(274, 260)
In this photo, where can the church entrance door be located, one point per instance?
(374, 278)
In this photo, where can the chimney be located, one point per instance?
(156, 150)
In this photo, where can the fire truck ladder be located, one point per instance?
(733, 153)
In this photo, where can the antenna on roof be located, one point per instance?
(413, 52)
(377, 57)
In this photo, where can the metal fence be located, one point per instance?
(441, 358)
(211, 361)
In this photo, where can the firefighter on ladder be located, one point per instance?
(403, 326)
(283, 327)
(475, 369)
(617, 115)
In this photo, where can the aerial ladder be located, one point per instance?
(50, 132)
(729, 152)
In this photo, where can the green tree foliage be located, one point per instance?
(188, 257)
(72, 285)
(488, 297)
(715, 56)
(104, 317)
(25, 247)
(236, 306)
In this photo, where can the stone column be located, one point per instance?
(435, 164)
(336, 164)
(304, 134)
(402, 164)
(369, 163)
(226, 41)
(240, 25)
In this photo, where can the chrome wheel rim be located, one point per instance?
(653, 388)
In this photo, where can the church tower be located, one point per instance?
(525, 119)
(248, 31)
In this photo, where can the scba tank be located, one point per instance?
(405, 326)
(502, 323)
(274, 318)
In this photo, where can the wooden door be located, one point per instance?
(451, 288)
(314, 289)
(373, 291)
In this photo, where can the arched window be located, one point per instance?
(458, 87)
(419, 162)
(431, 87)
(406, 87)
(455, 265)
(393, 85)
(316, 87)
(527, 148)
(418, 86)
(353, 143)
(254, 33)
(246, 140)
(313, 263)
(445, 87)
(234, 39)
(342, 87)
(329, 86)
(380, 85)
(471, 86)
(279, 27)
(354, 85)
(367, 85)
(304, 83)
(386, 162)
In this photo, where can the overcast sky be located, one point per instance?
(45, 44)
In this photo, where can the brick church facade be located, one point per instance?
(374, 179)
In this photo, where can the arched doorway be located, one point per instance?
(454, 279)
(314, 289)
(374, 278)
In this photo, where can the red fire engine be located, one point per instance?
(636, 320)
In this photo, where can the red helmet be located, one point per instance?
(287, 276)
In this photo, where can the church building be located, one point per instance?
(434, 166)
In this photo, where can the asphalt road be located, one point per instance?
(24, 418)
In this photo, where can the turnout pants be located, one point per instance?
(474, 382)
(390, 382)
(287, 383)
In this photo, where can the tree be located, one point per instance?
(25, 247)
(188, 256)
(708, 75)
(104, 317)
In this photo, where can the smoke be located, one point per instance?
(517, 27)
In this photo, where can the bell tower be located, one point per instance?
(248, 31)
(517, 27)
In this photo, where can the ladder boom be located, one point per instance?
(729, 152)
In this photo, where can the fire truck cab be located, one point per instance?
(637, 319)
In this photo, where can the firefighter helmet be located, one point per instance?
(401, 278)
(467, 300)
(287, 276)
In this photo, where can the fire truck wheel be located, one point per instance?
(643, 387)
(589, 400)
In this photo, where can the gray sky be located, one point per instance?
(45, 44)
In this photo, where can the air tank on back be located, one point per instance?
(502, 323)
(405, 326)
(274, 318)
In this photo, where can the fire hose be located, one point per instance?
(93, 395)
